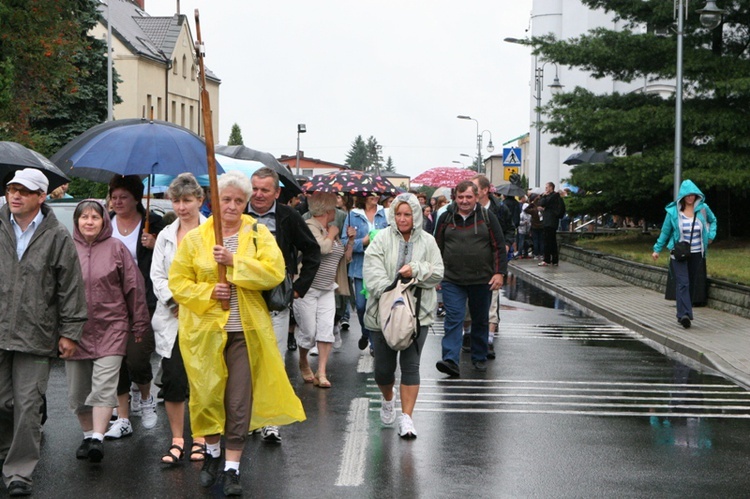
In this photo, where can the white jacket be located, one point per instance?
(164, 322)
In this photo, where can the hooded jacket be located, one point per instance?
(115, 295)
(357, 219)
(670, 229)
(381, 263)
(164, 322)
(43, 297)
(258, 266)
(473, 249)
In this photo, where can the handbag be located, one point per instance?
(698, 285)
(280, 296)
(681, 250)
(399, 314)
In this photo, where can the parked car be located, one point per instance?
(64, 209)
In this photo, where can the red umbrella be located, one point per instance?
(443, 176)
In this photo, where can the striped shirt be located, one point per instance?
(686, 223)
(234, 324)
(329, 264)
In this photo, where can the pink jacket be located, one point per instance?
(115, 295)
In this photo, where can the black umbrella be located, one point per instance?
(588, 157)
(243, 152)
(510, 190)
(14, 156)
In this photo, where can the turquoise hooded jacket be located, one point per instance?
(670, 230)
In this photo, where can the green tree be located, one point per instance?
(639, 127)
(373, 154)
(356, 158)
(235, 136)
(389, 165)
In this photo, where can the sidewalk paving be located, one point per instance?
(718, 340)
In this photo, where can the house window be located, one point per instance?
(174, 112)
(149, 108)
(158, 108)
(192, 72)
(184, 66)
(182, 115)
(308, 173)
(192, 117)
(174, 66)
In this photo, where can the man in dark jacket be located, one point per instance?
(293, 237)
(552, 209)
(43, 313)
(473, 248)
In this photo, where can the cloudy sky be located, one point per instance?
(400, 70)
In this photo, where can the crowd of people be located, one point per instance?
(126, 285)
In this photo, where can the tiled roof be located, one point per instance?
(152, 37)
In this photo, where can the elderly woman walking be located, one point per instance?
(235, 371)
(116, 298)
(315, 312)
(187, 198)
(403, 250)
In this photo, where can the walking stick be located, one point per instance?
(209, 131)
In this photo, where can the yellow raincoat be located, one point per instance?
(192, 278)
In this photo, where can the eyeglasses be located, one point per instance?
(12, 189)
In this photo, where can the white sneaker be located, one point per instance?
(270, 434)
(314, 351)
(120, 428)
(148, 413)
(337, 337)
(406, 427)
(388, 410)
(135, 400)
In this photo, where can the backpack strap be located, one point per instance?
(415, 335)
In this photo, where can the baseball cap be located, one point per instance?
(31, 178)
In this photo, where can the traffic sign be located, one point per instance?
(511, 156)
(509, 170)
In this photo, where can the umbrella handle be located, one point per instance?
(146, 226)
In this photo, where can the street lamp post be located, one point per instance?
(490, 147)
(555, 88)
(301, 128)
(710, 18)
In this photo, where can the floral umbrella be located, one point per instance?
(350, 182)
(443, 176)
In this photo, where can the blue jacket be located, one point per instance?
(356, 218)
(670, 229)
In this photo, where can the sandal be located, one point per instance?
(307, 374)
(198, 452)
(171, 457)
(321, 381)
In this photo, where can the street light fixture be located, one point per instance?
(460, 163)
(301, 128)
(556, 87)
(490, 147)
(710, 18)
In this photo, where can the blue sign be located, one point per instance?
(511, 156)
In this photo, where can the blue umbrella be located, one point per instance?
(133, 147)
(159, 182)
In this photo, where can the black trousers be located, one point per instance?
(550, 245)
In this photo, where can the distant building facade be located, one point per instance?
(155, 60)
(310, 166)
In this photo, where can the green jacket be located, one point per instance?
(43, 293)
(382, 259)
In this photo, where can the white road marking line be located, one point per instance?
(365, 364)
(669, 398)
(353, 455)
(583, 413)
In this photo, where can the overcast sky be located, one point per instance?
(400, 70)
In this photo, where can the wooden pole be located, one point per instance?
(211, 159)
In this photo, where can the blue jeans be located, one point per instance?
(537, 240)
(454, 301)
(361, 303)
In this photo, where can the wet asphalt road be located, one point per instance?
(572, 407)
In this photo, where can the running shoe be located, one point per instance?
(406, 427)
(388, 410)
(120, 428)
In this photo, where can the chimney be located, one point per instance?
(141, 4)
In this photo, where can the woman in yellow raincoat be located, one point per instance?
(236, 375)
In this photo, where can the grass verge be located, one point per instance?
(726, 260)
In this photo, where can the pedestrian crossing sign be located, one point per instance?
(511, 156)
